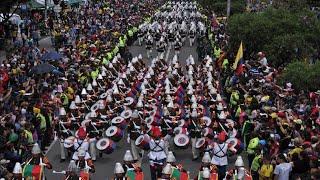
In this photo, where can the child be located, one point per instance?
(266, 170)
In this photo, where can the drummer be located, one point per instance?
(195, 133)
(239, 172)
(83, 160)
(157, 155)
(64, 131)
(80, 142)
(128, 162)
(135, 129)
(38, 158)
(119, 173)
(72, 171)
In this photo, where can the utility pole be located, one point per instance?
(228, 7)
(45, 9)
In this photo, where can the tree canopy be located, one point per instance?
(282, 34)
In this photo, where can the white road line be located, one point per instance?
(168, 52)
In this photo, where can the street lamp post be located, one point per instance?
(228, 7)
(45, 9)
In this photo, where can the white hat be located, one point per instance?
(73, 105)
(17, 168)
(206, 173)
(140, 56)
(169, 68)
(161, 56)
(89, 87)
(222, 115)
(220, 107)
(167, 169)
(128, 156)
(193, 99)
(77, 100)
(118, 169)
(62, 111)
(139, 104)
(175, 59)
(110, 65)
(115, 89)
(135, 114)
(81, 152)
(190, 91)
(191, 60)
(239, 162)
(84, 91)
(101, 105)
(194, 113)
(60, 88)
(213, 91)
(72, 166)
(36, 149)
(109, 98)
(170, 105)
(206, 158)
(94, 83)
(120, 82)
(103, 73)
(219, 97)
(170, 157)
(100, 77)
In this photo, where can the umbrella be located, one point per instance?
(53, 55)
(42, 68)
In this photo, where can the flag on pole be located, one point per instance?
(179, 175)
(238, 57)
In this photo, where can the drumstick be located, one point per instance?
(85, 104)
(222, 127)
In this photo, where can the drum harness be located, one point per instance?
(157, 145)
(220, 150)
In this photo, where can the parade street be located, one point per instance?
(105, 165)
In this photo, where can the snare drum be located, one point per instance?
(128, 101)
(143, 142)
(201, 144)
(181, 141)
(119, 122)
(68, 142)
(95, 107)
(114, 133)
(126, 114)
(207, 120)
(208, 132)
(106, 145)
(235, 144)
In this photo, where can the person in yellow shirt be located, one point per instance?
(266, 170)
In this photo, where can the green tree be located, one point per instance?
(283, 34)
(302, 75)
(220, 6)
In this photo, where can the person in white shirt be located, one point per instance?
(283, 169)
(262, 59)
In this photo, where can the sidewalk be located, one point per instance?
(45, 42)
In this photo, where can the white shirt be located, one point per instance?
(283, 171)
(220, 157)
(83, 143)
(157, 150)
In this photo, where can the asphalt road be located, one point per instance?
(105, 165)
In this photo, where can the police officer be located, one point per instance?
(177, 46)
(161, 47)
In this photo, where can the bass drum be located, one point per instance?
(114, 133)
(181, 141)
(143, 142)
(201, 144)
(106, 145)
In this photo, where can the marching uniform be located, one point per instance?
(219, 152)
(83, 160)
(161, 46)
(177, 46)
(192, 35)
(80, 142)
(157, 155)
(239, 172)
(134, 131)
(195, 133)
(149, 44)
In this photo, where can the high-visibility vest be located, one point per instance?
(130, 33)
(135, 29)
(115, 50)
(217, 52)
(65, 99)
(105, 61)
(225, 63)
(253, 143)
(255, 163)
(94, 74)
(43, 123)
(121, 43)
(109, 56)
(29, 136)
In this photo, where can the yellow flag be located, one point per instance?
(239, 56)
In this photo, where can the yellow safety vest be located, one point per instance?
(130, 33)
(29, 136)
(43, 123)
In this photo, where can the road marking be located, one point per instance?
(168, 52)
